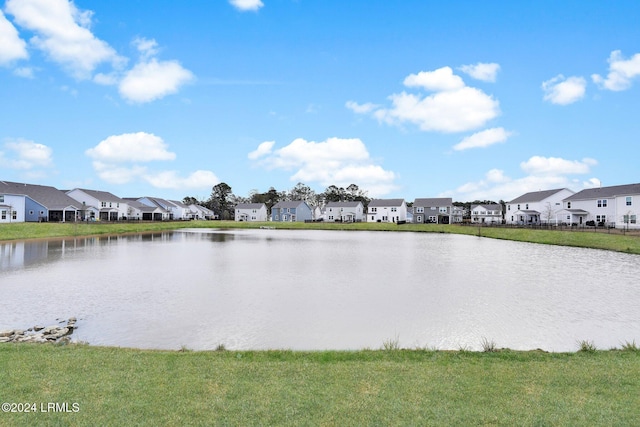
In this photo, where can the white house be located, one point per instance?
(111, 207)
(387, 210)
(167, 210)
(537, 207)
(344, 211)
(433, 210)
(200, 212)
(617, 205)
(252, 212)
(486, 214)
(180, 211)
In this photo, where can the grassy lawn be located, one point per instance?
(396, 387)
(614, 241)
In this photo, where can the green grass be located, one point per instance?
(614, 241)
(401, 387)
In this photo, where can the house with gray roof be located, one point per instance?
(109, 206)
(486, 213)
(141, 212)
(20, 202)
(344, 211)
(165, 209)
(253, 212)
(387, 210)
(537, 207)
(291, 211)
(437, 210)
(615, 206)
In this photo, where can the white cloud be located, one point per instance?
(454, 107)
(25, 72)
(483, 139)
(563, 91)
(486, 72)
(22, 154)
(148, 48)
(148, 81)
(262, 150)
(336, 161)
(131, 147)
(116, 174)
(117, 158)
(172, 180)
(361, 108)
(12, 47)
(542, 173)
(441, 79)
(62, 32)
(245, 5)
(538, 165)
(621, 72)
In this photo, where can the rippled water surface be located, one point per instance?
(311, 290)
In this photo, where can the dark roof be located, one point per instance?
(537, 196)
(103, 196)
(49, 197)
(385, 202)
(290, 204)
(604, 192)
(343, 204)
(437, 202)
(492, 207)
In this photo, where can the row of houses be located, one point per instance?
(613, 206)
(20, 202)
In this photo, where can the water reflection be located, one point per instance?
(259, 289)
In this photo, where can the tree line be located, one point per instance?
(223, 202)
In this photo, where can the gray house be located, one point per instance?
(292, 211)
(21, 202)
(437, 210)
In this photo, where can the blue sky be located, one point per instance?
(463, 99)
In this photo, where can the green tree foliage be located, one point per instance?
(221, 201)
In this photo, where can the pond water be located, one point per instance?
(315, 290)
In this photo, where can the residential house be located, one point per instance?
(108, 206)
(139, 211)
(457, 214)
(537, 207)
(486, 214)
(21, 202)
(433, 210)
(167, 210)
(251, 212)
(291, 211)
(387, 210)
(617, 205)
(200, 212)
(180, 211)
(344, 211)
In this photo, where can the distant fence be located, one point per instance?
(607, 228)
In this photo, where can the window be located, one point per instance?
(419, 218)
(104, 204)
(14, 215)
(1, 198)
(518, 206)
(30, 212)
(394, 209)
(602, 203)
(3, 214)
(633, 219)
(419, 210)
(601, 218)
(526, 206)
(374, 210)
(629, 219)
(443, 210)
(628, 201)
(568, 205)
(508, 207)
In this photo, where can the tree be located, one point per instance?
(190, 201)
(303, 192)
(269, 198)
(221, 201)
